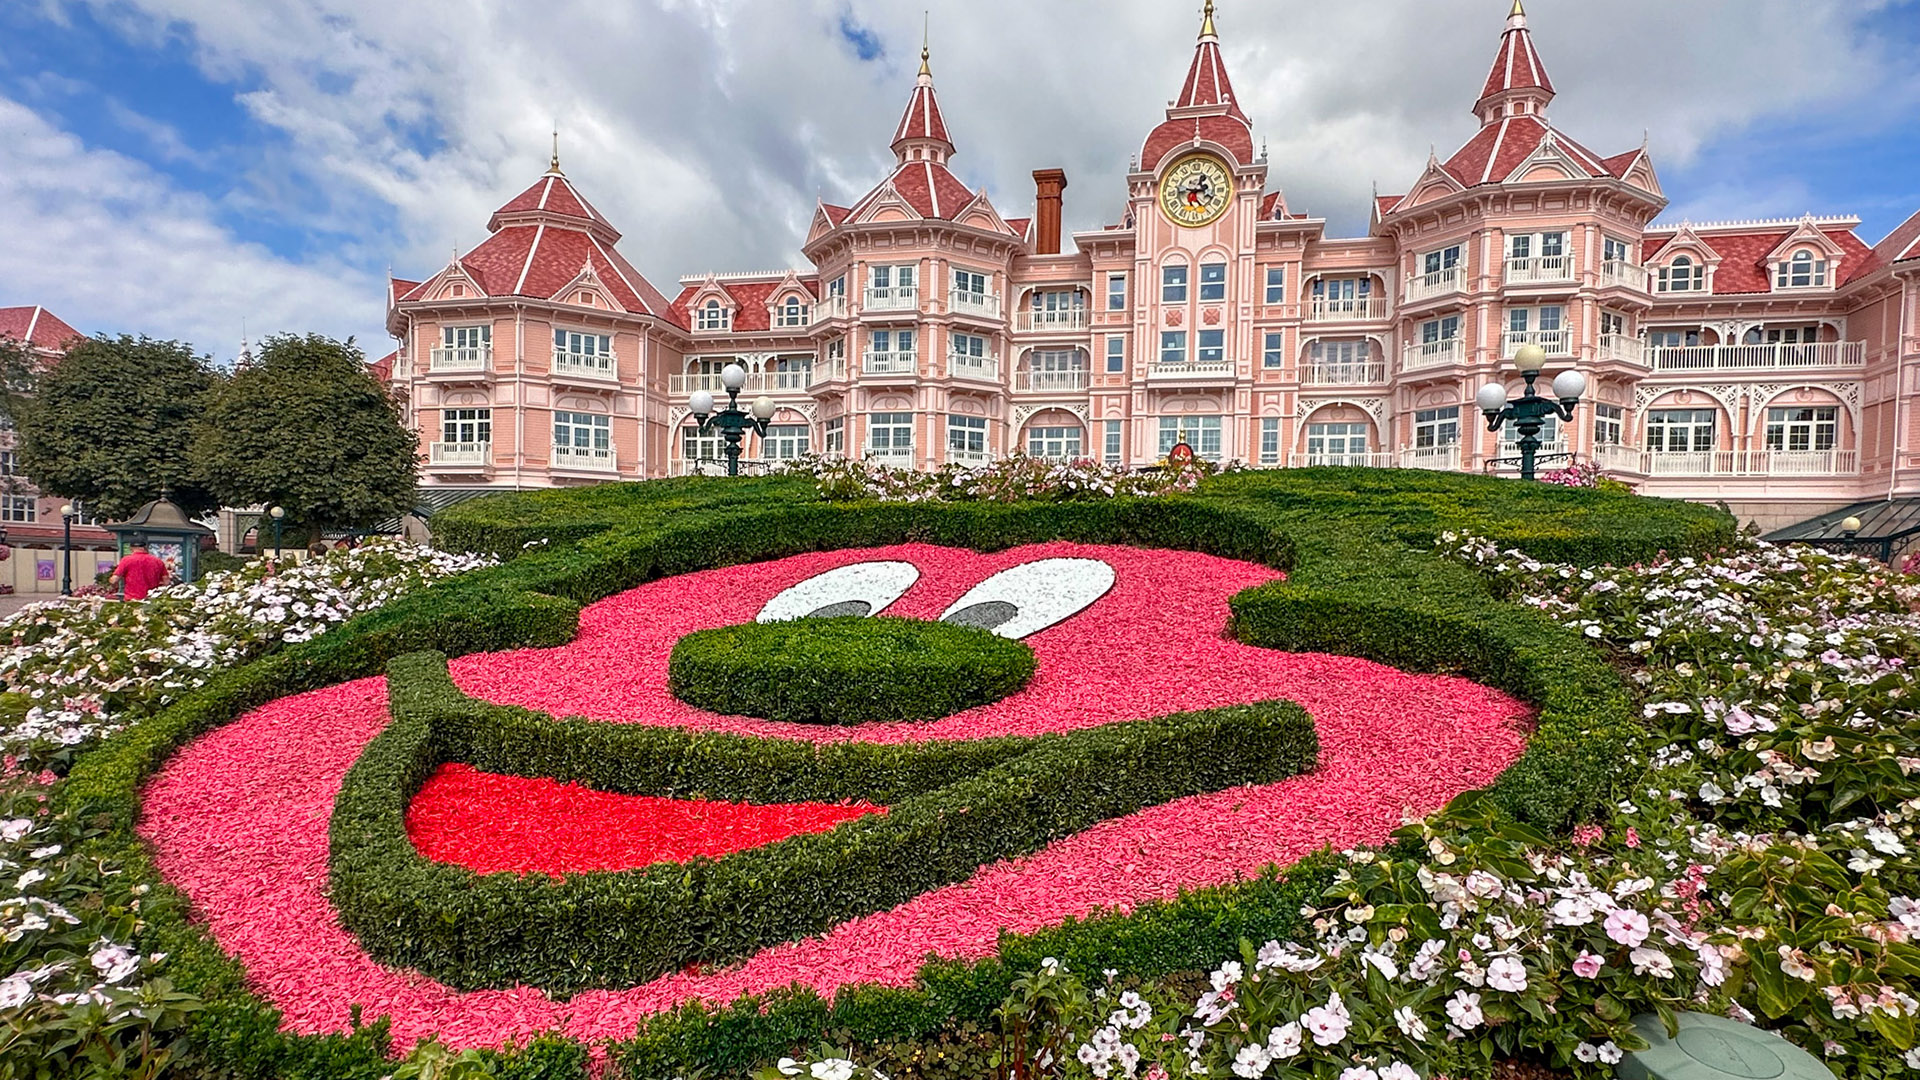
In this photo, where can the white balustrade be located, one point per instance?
(1437, 284)
(583, 458)
(1050, 320)
(1192, 371)
(590, 365)
(1751, 463)
(1556, 342)
(1433, 354)
(893, 298)
(985, 305)
(1357, 309)
(890, 363)
(1540, 270)
(833, 307)
(1359, 373)
(1343, 461)
(1821, 354)
(1625, 274)
(963, 366)
(478, 358)
(1053, 381)
(1441, 458)
(460, 453)
(1629, 350)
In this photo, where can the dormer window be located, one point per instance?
(1803, 271)
(795, 312)
(1683, 275)
(714, 316)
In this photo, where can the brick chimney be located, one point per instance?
(1047, 184)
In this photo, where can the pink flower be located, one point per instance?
(1587, 965)
(1627, 927)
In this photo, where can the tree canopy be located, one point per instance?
(111, 424)
(308, 427)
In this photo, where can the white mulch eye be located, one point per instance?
(860, 589)
(1028, 598)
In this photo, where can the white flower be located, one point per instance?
(14, 828)
(1573, 911)
(1650, 961)
(47, 852)
(1328, 1022)
(832, 1069)
(1610, 1054)
(1483, 885)
(1464, 1010)
(1912, 1058)
(1359, 1072)
(1251, 1061)
(1398, 1070)
(1627, 926)
(1284, 1041)
(15, 991)
(1227, 974)
(1507, 973)
(1410, 1024)
(1885, 842)
(1382, 962)
(116, 962)
(1586, 1052)
(788, 1067)
(30, 879)
(1794, 962)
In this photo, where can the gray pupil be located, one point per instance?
(841, 609)
(983, 616)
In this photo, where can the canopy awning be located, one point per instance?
(1885, 527)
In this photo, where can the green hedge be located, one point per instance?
(1356, 543)
(847, 670)
(621, 929)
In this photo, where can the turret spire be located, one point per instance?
(553, 164)
(1518, 84)
(1207, 83)
(922, 134)
(1206, 24)
(926, 51)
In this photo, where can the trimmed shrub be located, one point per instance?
(848, 670)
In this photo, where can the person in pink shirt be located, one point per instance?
(140, 572)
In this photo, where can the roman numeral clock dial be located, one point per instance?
(1195, 191)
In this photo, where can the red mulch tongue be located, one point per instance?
(493, 824)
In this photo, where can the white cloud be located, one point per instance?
(706, 128)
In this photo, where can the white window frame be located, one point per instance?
(1203, 433)
(466, 426)
(1804, 270)
(596, 427)
(785, 442)
(893, 424)
(1116, 354)
(1213, 282)
(20, 509)
(967, 434)
(1699, 429)
(1339, 439)
(1609, 425)
(1276, 285)
(1116, 292)
(1173, 347)
(1210, 346)
(467, 337)
(713, 315)
(833, 437)
(793, 312)
(1818, 426)
(1435, 429)
(1174, 283)
(1274, 353)
(1270, 440)
(1056, 442)
(1441, 259)
(1682, 274)
(1111, 441)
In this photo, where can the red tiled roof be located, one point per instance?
(1019, 225)
(1517, 65)
(1742, 269)
(496, 264)
(922, 120)
(551, 194)
(836, 214)
(1901, 244)
(750, 314)
(383, 368)
(398, 288)
(1618, 164)
(929, 188)
(37, 327)
(1231, 132)
(1499, 148)
(1207, 82)
(1385, 203)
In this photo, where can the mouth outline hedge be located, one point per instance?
(1361, 585)
(622, 928)
(852, 669)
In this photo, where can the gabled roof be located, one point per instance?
(1384, 204)
(1900, 245)
(36, 327)
(928, 187)
(1501, 147)
(1744, 253)
(750, 314)
(398, 289)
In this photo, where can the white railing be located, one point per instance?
(1354, 310)
(890, 363)
(827, 372)
(968, 303)
(460, 453)
(899, 459)
(963, 366)
(1626, 274)
(1358, 373)
(1620, 347)
(791, 378)
(478, 358)
(1556, 342)
(586, 458)
(1051, 381)
(1343, 461)
(1442, 458)
(592, 365)
(1822, 354)
(833, 307)
(970, 458)
(679, 386)
(1510, 448)
(717, 466)
(1208, 370)
(1540, 270)
(1618, 458)
(894, 298)
(1751, 463)
(1431, 354)
(1049, 321)
(1437, 284)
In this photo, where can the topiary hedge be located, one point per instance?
(846, 670)
(623, 928)
(1362, 582)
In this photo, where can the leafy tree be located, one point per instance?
(308, 427)
(111, 422)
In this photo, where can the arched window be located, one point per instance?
(715, 316)
(1682, 275)
(1803, 271)
(793, 312)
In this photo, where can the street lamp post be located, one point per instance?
(1529, 414)
(277, 514)
(66, 550)
(732, 421)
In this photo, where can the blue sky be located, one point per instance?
(187, 167)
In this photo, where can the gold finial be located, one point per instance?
(554, 164)
(926, 36)
(1518, 9)
(1206, 26)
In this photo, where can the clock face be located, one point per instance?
(1195, 191)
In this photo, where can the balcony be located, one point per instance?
(1554, 452)
(597, 366)
(1540, 270)
(788, 380)
(1342, 461)
(979, 305)
(1621, 274)
(679, 386)
(1784, 463)
(1438, 458)
(1363, 309)
(459, 361)
(1051, 382)
(583, 459)
(1433, 354)
(890, 363)
(470, 455)
(1050, 321)
(1360, 373)
(1623, 349)
(1614, 457)
(896, 298)
(1198, 371)
(971, 459)
(962, 366)
(831, 371)
(1434, 286)
(1823, 354)
(897, 457)
(1556, 342)
(833, 307)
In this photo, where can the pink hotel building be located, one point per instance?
(1760, 363)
